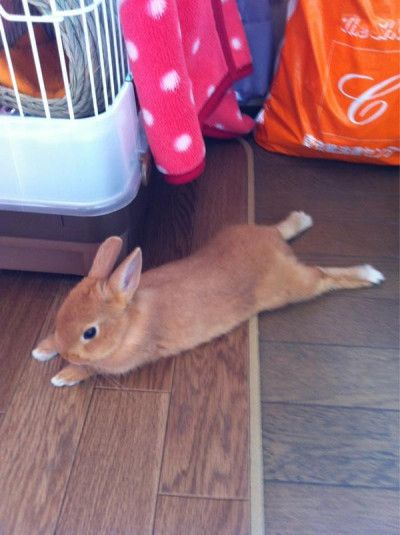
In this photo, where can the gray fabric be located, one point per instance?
(256, 17)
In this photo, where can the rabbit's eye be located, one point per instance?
(89, 333)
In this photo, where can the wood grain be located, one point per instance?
(330, 375)
(25, 301)
(8, 280)
(340, 237)
(9, 284)
(315, 509)
(169, 222)
(222, 191)
(335, 319)
(156, 377)
(276, 202)
(39, 435)
(196, 516)
(280, 197)
(352, 447)
(65, 284)
(117, 465)
(206, 447)
(330, 366)
(328, 190)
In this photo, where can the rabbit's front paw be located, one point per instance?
(42, 355)
(46, 349)
(58, 380)
(71, 375)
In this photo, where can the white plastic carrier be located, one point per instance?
(72, 166)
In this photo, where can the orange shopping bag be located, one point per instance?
(336, 92)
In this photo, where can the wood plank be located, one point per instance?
(327, 189)
(310, 438)
(335, 319)
(156, 377)
(38, 439)
(206, 446)
(8, 280)
(306, 510)
(196, 516)
(222, 191)
(330, 375)
(276, 202)
(352, 213)
(169, 222)
(357, 238)
(326, 445)
(49, 431)
(113, 485)
(280, 195)
(25, 301)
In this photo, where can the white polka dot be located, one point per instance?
(260, 117)
(182, 143)
(239, 115)
(219, 126)
(170, 81)
(148, 117)
(156, 8)
(210, 90)
(132, 50)
(236, 43)
(195, 46)
(162, 170)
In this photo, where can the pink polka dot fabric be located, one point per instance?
(184, 56)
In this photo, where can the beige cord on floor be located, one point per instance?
(256, 457)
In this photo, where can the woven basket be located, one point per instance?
(72, 36)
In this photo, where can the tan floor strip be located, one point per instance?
(256, 462)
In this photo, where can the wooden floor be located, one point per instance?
(164, 450)
(330, 368)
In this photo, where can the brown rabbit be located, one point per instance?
(113, 322)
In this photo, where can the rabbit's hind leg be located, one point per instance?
(307, 282)
(336, 278)
(294, 224)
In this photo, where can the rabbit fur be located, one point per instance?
(139, 318)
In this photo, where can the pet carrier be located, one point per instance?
(70, 139)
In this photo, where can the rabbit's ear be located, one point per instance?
(105, 258)
(126, 277)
